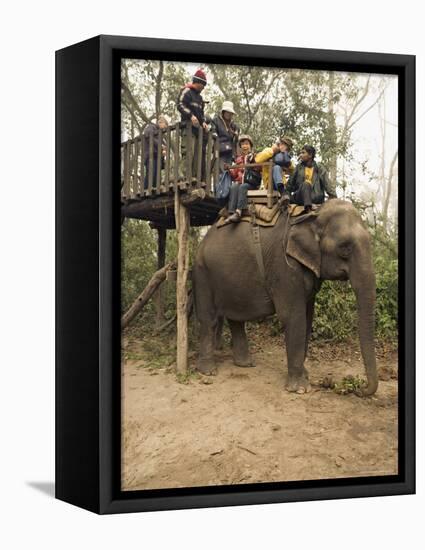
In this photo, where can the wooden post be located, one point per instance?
(216, 163)
(181, 213)
(150, 165)
(159, 162)
(176, 158)
(167, 160)
(142, 166)
(199, 158)
(208, 162)
(126, 170)
(160, 295)
(270, 186)
(189, 152)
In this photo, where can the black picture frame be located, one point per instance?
(88, 274)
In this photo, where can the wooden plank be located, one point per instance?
(189, 139)
(150, 165)
(126, 174)
(139, 185)
(136, 169)
(167, 158)
(142, 166)
(216, 163)
(159, 161)
(176, 157)
(208, 161)
(199, 144)
(270, 186)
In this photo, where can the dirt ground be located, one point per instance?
(242, 426)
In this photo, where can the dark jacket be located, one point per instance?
(227, 134)
(151, 129)
(190, 103)
(320, 182)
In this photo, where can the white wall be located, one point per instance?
(30, 32)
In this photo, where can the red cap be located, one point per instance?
(200, 76)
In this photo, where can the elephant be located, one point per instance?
(229, 281)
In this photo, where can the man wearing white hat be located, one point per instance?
(227, 133)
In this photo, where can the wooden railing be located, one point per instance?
(144, 173)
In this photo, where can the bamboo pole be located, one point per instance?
(181, 213)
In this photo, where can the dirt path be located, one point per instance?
(241, 426)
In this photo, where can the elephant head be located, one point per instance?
(335, 245)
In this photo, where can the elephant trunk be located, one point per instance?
(363, 283)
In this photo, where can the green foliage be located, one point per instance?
(335, 315)
(138, 260)
(349, 384)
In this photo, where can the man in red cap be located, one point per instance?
(190, 105)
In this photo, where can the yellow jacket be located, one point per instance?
(264, 156)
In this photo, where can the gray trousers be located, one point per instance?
(238, 196)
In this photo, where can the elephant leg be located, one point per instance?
(219, 333)
(241, 355)
(206, 363)
(309, 325)
(207, 318)
(296, 338)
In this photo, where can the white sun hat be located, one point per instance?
(228, 106)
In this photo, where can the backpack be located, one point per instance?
(222, 189)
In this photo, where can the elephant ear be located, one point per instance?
(304, 244)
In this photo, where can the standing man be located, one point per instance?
(309, 182)
(190, 105)
(227, 134)
(153, 130)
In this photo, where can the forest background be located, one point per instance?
(350, 118)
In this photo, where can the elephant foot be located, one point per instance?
(246, 363)
(243, 360)
(207, 367)
(298, 385)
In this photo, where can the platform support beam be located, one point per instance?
(181, 213)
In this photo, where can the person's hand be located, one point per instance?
(226, 166)
(194, 120)
(205, 126)
(275, 148)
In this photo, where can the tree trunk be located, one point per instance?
(332, 129)
(143, 298)
(181, 213)
(160, 295)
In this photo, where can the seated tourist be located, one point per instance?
(244, 179)
(282, 163)
(309, 182)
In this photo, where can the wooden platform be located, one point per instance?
(159, 209)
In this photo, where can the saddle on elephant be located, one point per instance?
(267, 217)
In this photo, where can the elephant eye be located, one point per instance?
(345, 249)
